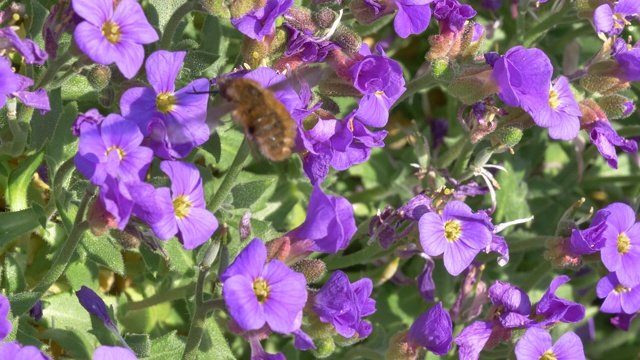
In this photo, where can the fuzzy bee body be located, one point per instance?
(263, 117)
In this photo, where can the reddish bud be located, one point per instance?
(278, 248)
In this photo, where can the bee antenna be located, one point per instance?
(213, 92)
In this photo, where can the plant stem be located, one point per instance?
(174, 22)
(162, 297)
(52, 70)
(62, 79)
(369, 253)
(424, 82)
(536, 242)
(463, 159)
(59, 180)
(452, 153)
(230, 177)
(199, 317)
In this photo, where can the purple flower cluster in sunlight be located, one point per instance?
(109, 34)
(259, 293)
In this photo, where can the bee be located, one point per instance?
(264, 118)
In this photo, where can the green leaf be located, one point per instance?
(168, 347)
(159, 11)
(37, 14)
(511, 197)
(14, 224)
(139, 343)
(62, 144)
(253, 194)
(152, 260)
(214, 345)
(181, 259)
(43, 126)
(200, 63)
(19, 181)
(14, 278)
(22, 302)
(76, 342)
(103, 252)
(26, 333)
(82, 273)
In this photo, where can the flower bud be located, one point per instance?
(278, 248)
(603, 84)
(558, 253)
(324, 347)
(508, 135)
(216, 8)
(240, 8)
(129, 238)
(441, 46)
(347, 38)
(587, 7)
(325, 17)
(400, 349)
(254, 51)
(344, 342)
(107, 97)
(518, 118)
(365, 13)
(389, 271)
(441, 69)
(301, 19)
(473, 84)
(312, 269)
(99, 219)
(245, 226)
(99, 77)
(335, 86)
(616, 106)
(591, 112)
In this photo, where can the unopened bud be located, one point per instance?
(399, 348)
(365, 13)
(389, 271)
(441, 69)
(518, 118)
(107, 97)
(99, 219)
(278, 248)
(468, 90)
(254, 51)
(301, 19)
(335, 86)
(591, 112)
(587, 7)
(239, 8)
(245, 226)
(329, 105)
(603, 84)
(318, 329)
(441, 46)
(325, 17)
(129, 238)
(616, 106)
(558, 253)
(347, 38)
(324, 347)
(216, 8)
(312, 269)
(279, 43)
(99, 77)
(508, 135)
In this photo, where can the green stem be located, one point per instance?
(463, 159)
(62, 79)
(536, 275)
(213, 304)
(163, 297)
(199, 317)
(230, 177)
(59, 180)
(367, 254)
(174, 22)
(452, 153)
(536, 242)
(610, 180)
(52, 70)
(422, 83)
(629, 131)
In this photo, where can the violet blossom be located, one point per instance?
(413, 17)
(452, 15)
(590, 240)
(379, 78)
(112, 353)
(621, 251)
(459, 234)
(29, 50)
(257, 293)
(605, 138)
(109, 35)
(174, 120)
(15, 351)
(612, 20)
(261, 22)
(555, 309)
(344, 304)
(433, 330)
(537, 344)
(9, 82)
(5, 324)
(36, 99)
(183, 208)
(308, 48)
(561, 114)
(617, 297)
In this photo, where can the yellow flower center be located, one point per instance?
(117, 149)
(620, 18)
(621, 289)
(165, 102)
(379, 93)
(452, 230)
(554, 99)
(548, 355)
(623, 243)
(182, 206)
(261, 289)
(111, 31)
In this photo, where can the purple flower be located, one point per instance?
(560, 114)
(413, 17)
(112, 149)
(329, 225)
(458, 233)
(537, 344)
(35, 312)
(305, 46)
(432, 330)
(9, 83)
(452, 15)
(90, 118)
(183, 209)
(612, 21)
(15, 351)
(605, 138)
(113, 353)
(617, 297)
(113, 35)
(472, 339)
(379, 79)
(556, 309)
(174, 120)
(36, 99)
(261, 22)
(628, 63)
(424, 281)
(344, 304)
(5, 324)
(621, 251)
(524, 78)
(116, 200)
(31, 53)
(622, 321)
(514, 304)
(590, 240)
(94, 304)
(257, 293)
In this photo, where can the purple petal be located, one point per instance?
(242, 302)
(472, 339)
(95, 12)
(411, 19)
(569, 347)
(162, 69)
(533, 344)
(129, 57)
(90, 41)
(139, 104)
(287, 296)
(249, 261)
(196, 228)
(432, 236)
(603, 18)
(167, 226)
(113, 353)
(133, 24)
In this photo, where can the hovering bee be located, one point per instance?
(263, 117)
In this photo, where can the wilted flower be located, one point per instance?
(452, 15)
(458, 233)
(29, 50)
(537, 344)
(433, 330)
(556, 309)
(617, 297)
(590, 240)
(621, 251)
(344, 304)
(183, 208)
(110, 35)
(174, 120)
(35, 312)
(257, 293)
(605, 138)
